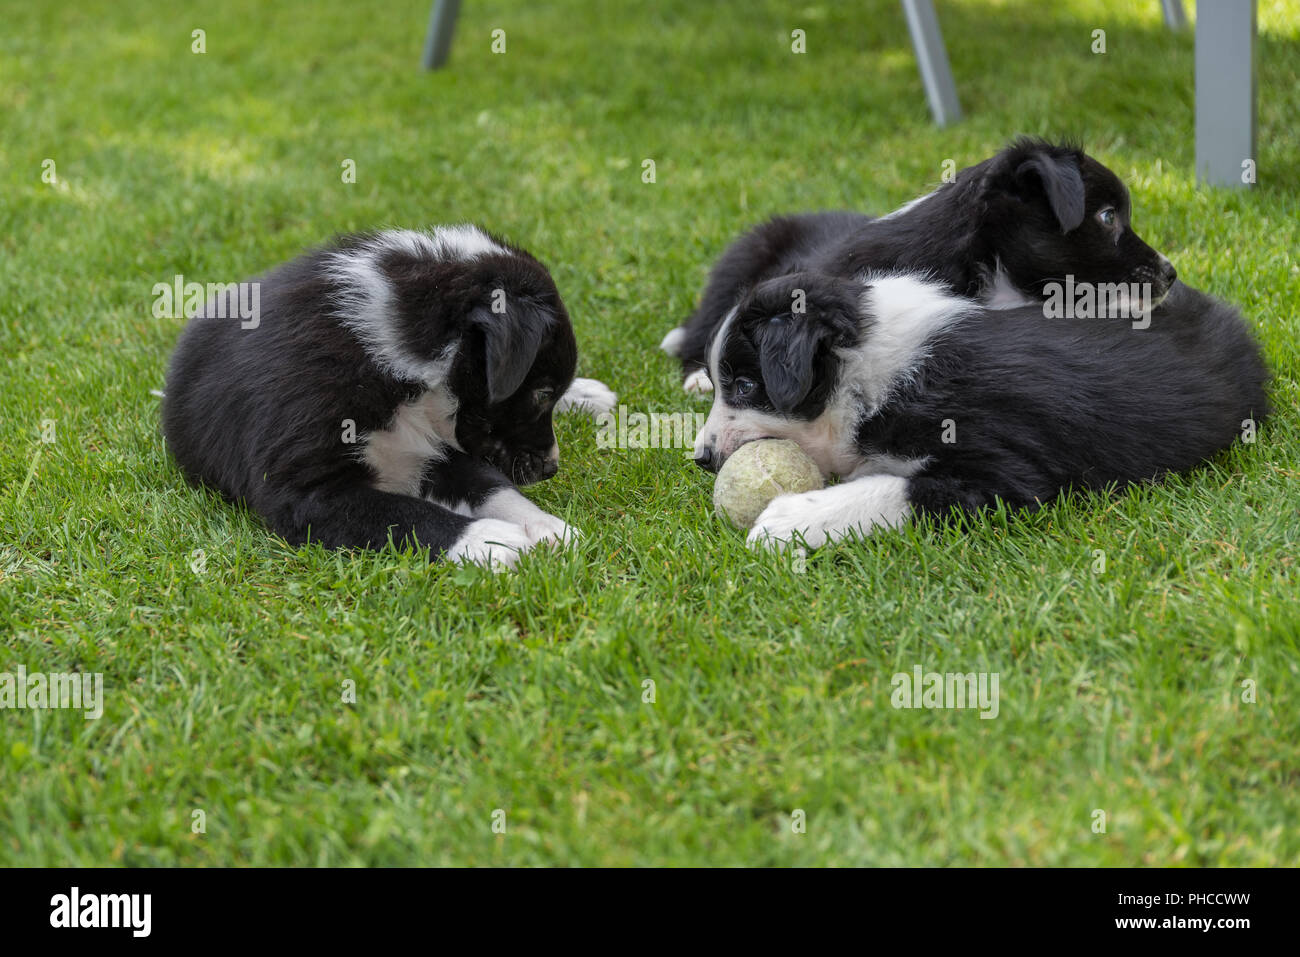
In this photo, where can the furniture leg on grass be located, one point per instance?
(442, 25)
(1175, 18)
(1225, 92)
(932, 59)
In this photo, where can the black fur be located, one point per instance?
(1040, 406)
(259, 413)
(794, 348)
(1032, 209)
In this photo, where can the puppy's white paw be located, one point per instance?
(698, 383)
(673, 341)
(508, 504)
(875, 501)
(491, 542)
(786, 517)
(587, 395)
(547, 528)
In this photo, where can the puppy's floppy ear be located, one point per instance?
(1061, 181)
(512, 340)
(786, 350)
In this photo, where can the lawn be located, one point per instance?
(1146, 643)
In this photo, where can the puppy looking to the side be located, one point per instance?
(1000, 232)
(397, 385)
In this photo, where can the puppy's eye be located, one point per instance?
(742, 387)
(543, 397)
(1106, 216)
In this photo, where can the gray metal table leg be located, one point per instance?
(442, 24)
(1225, 92)
(1175, 18)
(932, 58)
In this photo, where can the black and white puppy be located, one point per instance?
(396, 385)
(1001, 231)
(925, 402)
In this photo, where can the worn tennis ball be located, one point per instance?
(758, 472)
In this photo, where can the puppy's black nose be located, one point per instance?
(549, 468)
(1168, 273)
(704, 459)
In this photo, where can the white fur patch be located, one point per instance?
(460, 508)
(720, 337)
(422, 429)
(698, 383)
(907, 207)
(908, 312)
(826, 439)
(672, 342)
(1000, 292)
(510, 505)
(587, 395)
(881, 464)
(903, 313)
(365, 296)
(859, 506)
(462, 242)
(490, 542)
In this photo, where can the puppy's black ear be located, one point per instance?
(787, 353)
(1061, 182)
(512, 340)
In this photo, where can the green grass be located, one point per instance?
(1120, 690)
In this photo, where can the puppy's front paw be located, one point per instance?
(697, 383)
(508, 505)
(547, 528)
(856, 507)
(787, 517)
(491, 542)
(587, 395)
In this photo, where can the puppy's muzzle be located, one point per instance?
(527, 466)
(708, 459)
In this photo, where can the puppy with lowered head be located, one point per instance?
(397, 385)
(927, 403)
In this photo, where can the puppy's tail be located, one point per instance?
(672, 343)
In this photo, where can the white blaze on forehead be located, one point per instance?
(727, 428)
(715, 347)
(719, 414)
(902, 314)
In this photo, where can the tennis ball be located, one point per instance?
(758, 472)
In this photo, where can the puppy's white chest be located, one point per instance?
(423, 428)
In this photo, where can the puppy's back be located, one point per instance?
(1043, 403)
(250, 404)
